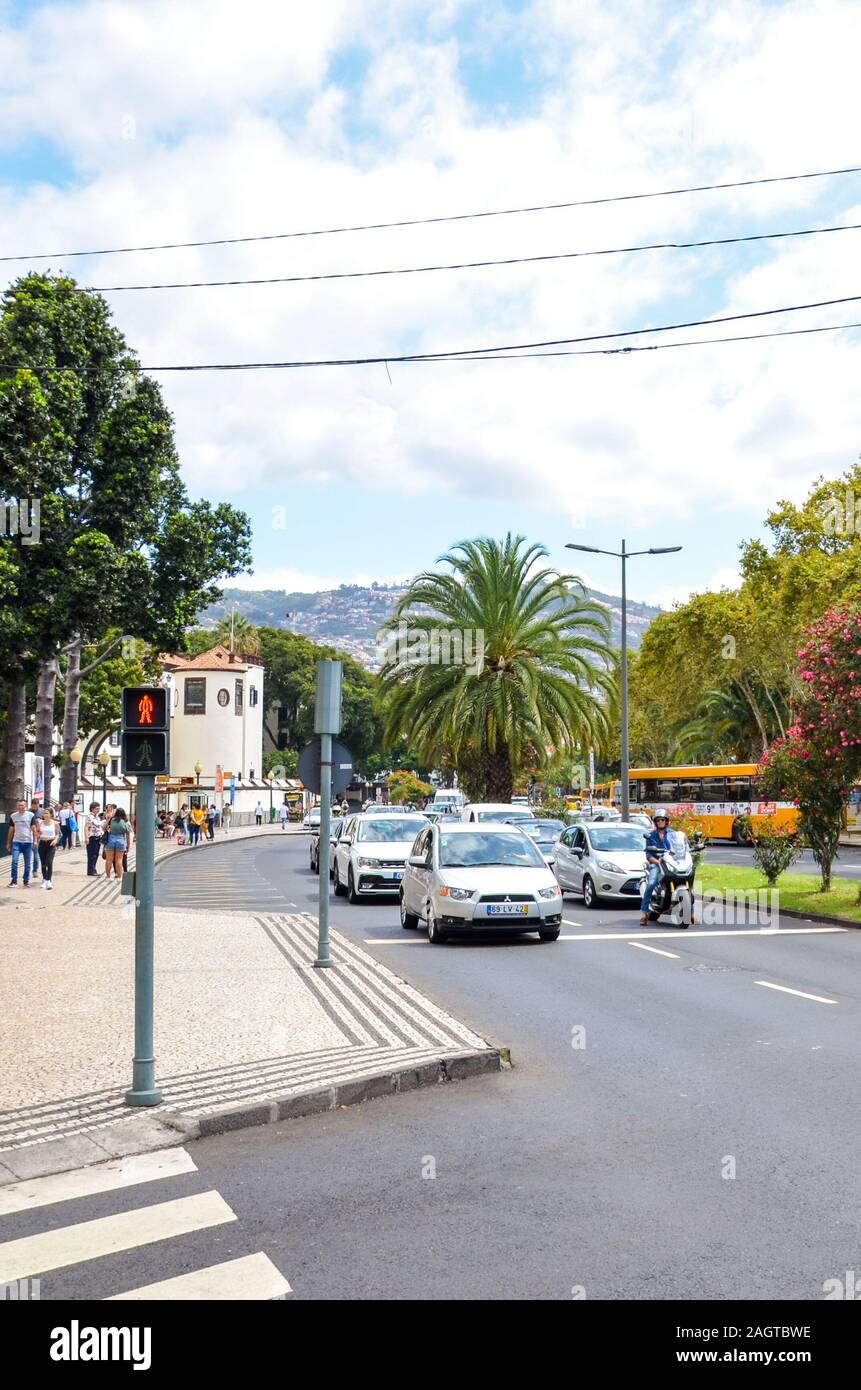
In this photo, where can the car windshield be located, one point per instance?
(470, 849)
(505, 815)
(545, 829)
(616, 837)
(398, 828)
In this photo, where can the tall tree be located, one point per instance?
(121, 545)
(545, 657)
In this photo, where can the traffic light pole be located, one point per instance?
(144, 1090)
(323, 956)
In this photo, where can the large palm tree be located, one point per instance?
(238, 634)
(546, 663)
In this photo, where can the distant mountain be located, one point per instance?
(350, 616)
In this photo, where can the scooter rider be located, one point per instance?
(657, 841)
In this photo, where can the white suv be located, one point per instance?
(472, 879)
(369, 857)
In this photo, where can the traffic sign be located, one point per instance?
(145, 707)
(309, 766)
(144, 754)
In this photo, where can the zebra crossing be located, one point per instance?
(52, 1248)
(227, 881)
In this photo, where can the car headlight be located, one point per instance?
(460, 895)
(368, 863)
(609, 866)
(550, 892)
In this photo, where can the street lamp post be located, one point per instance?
(197, 771)
(103, 760)
(624, 555)
(270, 776)
(75, 755)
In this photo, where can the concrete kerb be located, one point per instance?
(167, 1129)
(713, 895)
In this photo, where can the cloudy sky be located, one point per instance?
(146, 121)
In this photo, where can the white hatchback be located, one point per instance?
(369, 857)
(469, 880)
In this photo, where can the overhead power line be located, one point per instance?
(496, 352)
(478, 265)
(430, 221)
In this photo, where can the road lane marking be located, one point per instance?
(100, 1177)
(784, 989)
(641, 946)
(252, 1277)
(88, 1240)
(629, 936)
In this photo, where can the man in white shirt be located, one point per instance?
(20, 842)
(258, 813)
(93, 830)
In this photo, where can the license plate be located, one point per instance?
(396, 874)
(508, 910)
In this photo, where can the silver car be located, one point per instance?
(603, 859)
(467, 880)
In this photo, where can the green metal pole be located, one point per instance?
(323, 957)
(144, 1091)
(626, 785)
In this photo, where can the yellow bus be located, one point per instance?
(719, 795)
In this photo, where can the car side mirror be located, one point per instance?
(578, 850)
(417, 861)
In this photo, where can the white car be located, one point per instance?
(479, 811)
(369, 856)
(601, 859)
(312, 819)
(468, 880)
(378, 808)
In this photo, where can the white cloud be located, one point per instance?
(241, 128)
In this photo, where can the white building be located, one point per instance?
(216, 709)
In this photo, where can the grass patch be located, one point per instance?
(798, 892)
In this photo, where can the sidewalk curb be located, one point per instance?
(339, 1096)
(716, 896)
(162, 1129)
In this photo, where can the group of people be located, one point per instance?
(36, 832)
(189, 826)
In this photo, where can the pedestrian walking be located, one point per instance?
(72, 827)
(197, 818)
(20, 841)
(65, 834)
(284, 815)
(181, 825)
(36, 813)
(49, 834)
(93, 836)
(211, 822)
(258, 813)
(226, 816)
(117, 842)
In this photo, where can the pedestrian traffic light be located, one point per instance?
(145, 707)
(144, 754)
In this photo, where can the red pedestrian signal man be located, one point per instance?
(146, 709)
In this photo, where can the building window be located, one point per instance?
(252, 695)
(237, 704)
(195, 695)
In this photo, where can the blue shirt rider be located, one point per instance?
(657, 841)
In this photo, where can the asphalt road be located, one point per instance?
(675, 1124)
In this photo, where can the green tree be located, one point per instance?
(237, 633)
(290, 661)
(121, 544)
(546, 656)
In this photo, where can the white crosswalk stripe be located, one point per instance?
(252, 1277)
(248, 1277)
